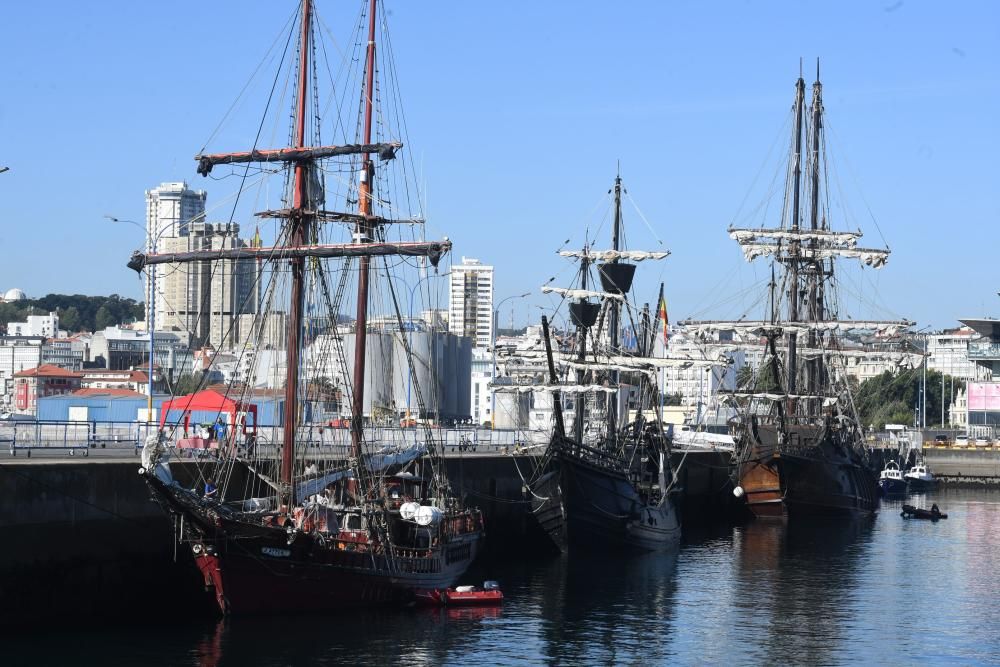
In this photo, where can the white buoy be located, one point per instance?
(428, 516)
(408, 511)
(738, 492)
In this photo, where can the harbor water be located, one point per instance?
(887, 590)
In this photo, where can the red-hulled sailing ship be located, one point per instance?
(382, 524)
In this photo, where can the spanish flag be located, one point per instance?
(662, 316)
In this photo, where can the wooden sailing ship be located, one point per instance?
(607, 482)
(369, 529)
(799, 446)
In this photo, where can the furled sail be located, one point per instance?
(762, 327)
(565, 389)
(828, 401)
(873, 258)
(582, 293)
(824, 237)
(612, 255)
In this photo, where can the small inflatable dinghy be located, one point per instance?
(911, 512)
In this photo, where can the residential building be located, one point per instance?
(130, 379)
(949, 354)
(46, 380)
(36, 325)
(482, 391)
(17, 353)
(470, 301)
(206, 299)
(118, 348)
(69, 353)
(170, 210)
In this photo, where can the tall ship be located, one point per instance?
(606, 479)
(294, 523)
(799, 445)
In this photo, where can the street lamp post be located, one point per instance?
(151, 242)
(493, 350)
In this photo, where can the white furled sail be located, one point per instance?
(871, 257)
(614, 255)
(759, 327)
(582, 293)
(822, 236)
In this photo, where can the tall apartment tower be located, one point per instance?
(207, 298)
(470, 301)
(170, 210)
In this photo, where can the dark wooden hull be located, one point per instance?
(819, 476)
(588, 505)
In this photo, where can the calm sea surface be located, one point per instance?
(882, 591)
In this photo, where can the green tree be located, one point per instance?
(763, 380)
(894, 397)
(104, 318)
(188, 383)
(69, 319)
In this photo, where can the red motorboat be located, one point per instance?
(488, 594)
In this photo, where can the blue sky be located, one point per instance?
(518, 112)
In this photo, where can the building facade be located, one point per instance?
(45, 380)
(36, 325)
(207, 298)
(117, 348)
(982, 396)
(17, 353)
(170, 210)
(470, 301)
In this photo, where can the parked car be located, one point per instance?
(940, 440)
(961, 440)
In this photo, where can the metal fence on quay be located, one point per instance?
(75, 437)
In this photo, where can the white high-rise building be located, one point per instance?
(470, 301)
(206, 299)
(170, 210)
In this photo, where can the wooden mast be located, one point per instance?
(793, 287)
(613, 315)
(299, 223)
(816, 313)
(364, 232)
(581, 401)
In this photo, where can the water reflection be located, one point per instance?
(797, 583)
(888, 591)
(610, 609)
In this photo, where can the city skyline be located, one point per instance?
(911, 97)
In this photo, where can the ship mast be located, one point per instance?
(364, 233)
(818, 269)
(300, 223)
(613, 315)
(581, 401)
(794, 246)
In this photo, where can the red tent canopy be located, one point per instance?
(208, 401)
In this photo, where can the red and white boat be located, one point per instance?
(467, 596)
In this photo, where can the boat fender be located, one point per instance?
(738, 491)
(142, 471)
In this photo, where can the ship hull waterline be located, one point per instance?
(784, 485)
(581, 505)
(255, 569)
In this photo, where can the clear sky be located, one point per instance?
(518, 112)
